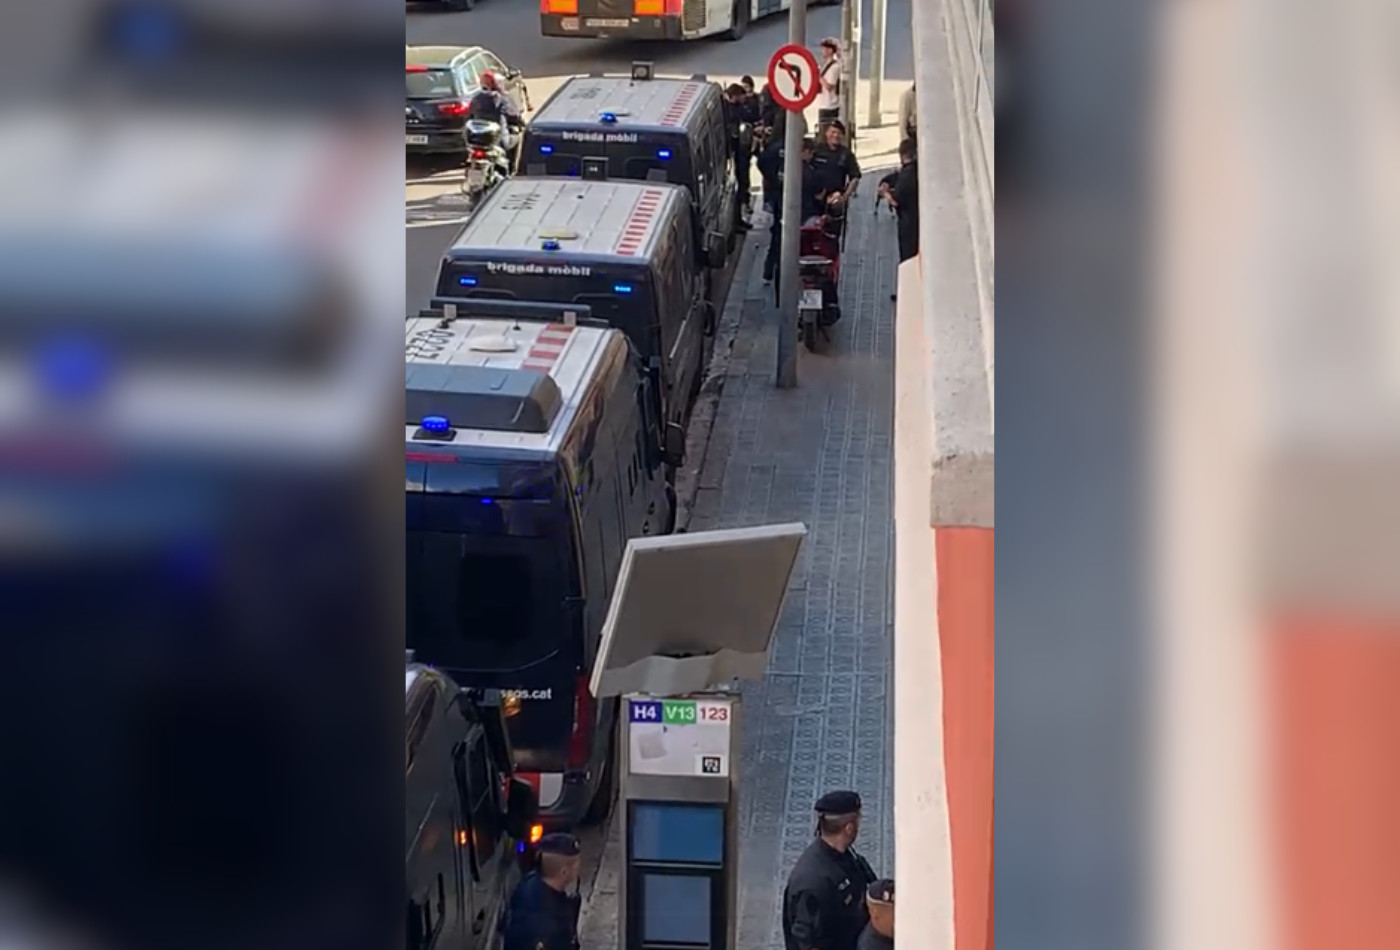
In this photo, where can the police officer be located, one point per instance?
(544, 909)
(879, 933)
(824, 903)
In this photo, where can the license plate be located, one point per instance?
(476, 177)
(416, 139)
(811, 300)
(608, 24)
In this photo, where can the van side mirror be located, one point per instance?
(522, 808)
(716, 250)
(674, 444)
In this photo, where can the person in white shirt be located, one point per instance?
(907, 123)
(829, 95)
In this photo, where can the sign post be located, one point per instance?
(793, 79)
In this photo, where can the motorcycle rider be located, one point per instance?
(490, 103)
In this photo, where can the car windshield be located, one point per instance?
(430, 84)
(483, 603)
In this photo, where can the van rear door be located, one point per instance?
(491, 609)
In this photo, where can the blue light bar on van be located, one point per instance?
(72, 368)
(436, 424)
(622, 288)
(664, 154)
(147, 30)
(607, 118)
(467, 281)
(546, 149)
(550, 245)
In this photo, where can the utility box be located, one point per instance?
(692, 615)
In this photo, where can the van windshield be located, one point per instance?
(484, 603)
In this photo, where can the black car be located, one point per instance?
(440, 81)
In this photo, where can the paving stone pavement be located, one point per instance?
(820, 454)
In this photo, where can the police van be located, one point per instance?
(532, 457)
(644, 129)
(620, 249)
(467, 819)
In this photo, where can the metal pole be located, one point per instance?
(789, 281)
(877, 63)
(850, 63)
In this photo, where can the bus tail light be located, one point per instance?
(559, 7)
(649, 7)
(581, 739)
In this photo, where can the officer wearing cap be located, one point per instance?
(543, 913)
(879, 933)
(824, 903)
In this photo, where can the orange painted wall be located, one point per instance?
(966, 631)
(1335, 707)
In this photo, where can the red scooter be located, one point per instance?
(819, 266)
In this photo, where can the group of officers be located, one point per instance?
(833, 899)
(830, 171)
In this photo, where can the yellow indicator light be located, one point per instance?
(536, 833)
(462, 837)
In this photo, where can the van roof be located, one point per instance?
(660, 105)
(489, 369)
(613, 219)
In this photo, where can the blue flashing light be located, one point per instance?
(520, 847)
(488, 501)
(608, 118)
(73, 368)
(546, 149)
(467, 281)
(550, 245)
(622, 288)
(148, 30)
(436, 424)
(664, 154)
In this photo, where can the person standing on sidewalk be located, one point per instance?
(829, 78)
(544, 909)
(908, 124)
(879, 933)
(741, 116)
(824, 902)
(770, 164)
(901, 190)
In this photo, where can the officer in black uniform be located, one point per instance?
(879, 933)
(824, 903)
(543, 913)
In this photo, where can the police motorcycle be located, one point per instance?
(488, 159)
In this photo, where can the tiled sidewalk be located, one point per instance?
(820, 454)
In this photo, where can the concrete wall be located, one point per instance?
(944, 498)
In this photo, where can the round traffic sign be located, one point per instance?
(793, 77)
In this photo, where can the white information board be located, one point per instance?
(680, 737)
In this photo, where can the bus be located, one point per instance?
(655, 19)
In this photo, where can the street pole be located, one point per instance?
(789, 280)
(850, 63)
(877, 63)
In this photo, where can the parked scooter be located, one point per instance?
(488, 159)
(819, 267)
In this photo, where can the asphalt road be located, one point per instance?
(510, 28)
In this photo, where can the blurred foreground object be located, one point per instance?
(200, 282)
